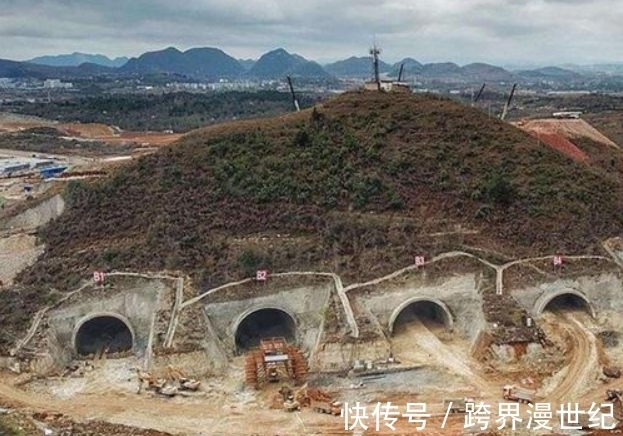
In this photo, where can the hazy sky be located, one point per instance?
(462, 31)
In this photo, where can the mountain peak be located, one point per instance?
(200, 62)
(171, 49)
(278, 51)
(78, 58)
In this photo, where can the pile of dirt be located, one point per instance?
(19, 423)
(359, 184)
(63, 425)
(567, 136)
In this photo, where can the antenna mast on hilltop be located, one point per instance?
(375, 52)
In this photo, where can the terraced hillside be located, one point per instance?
(356, 186)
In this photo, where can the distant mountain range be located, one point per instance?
(213, 64)
(74, 59)
(355, 68)
(14, 69)
(201, 63)
(279, 63)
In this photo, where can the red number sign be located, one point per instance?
(99, 277)
(261, 275)
(557, 260)
(419, 261)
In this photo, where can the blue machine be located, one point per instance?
(50, 172)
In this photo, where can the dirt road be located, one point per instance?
(200, 415)
(225, 409)
(583, 362)
(413, 342)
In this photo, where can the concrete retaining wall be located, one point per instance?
(460, 295)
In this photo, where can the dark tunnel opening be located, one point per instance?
(567, 303)
(264, 323)
(103, 334)
(430, 314)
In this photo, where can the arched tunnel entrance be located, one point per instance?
(432, 314)
(417, 328)
(568, 302)
(264, 323)
(563, 301)
(103, 334)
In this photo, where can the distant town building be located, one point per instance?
(56, 83)
(7, 82)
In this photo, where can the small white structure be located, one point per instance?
(387, 86)
(567, 114)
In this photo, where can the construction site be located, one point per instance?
(290, 351)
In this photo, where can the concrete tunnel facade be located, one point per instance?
(456, 301)
(132, 310)
(600, 293)
(295, 313)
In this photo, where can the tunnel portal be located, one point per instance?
(107, 334)
(264, 323)
(428, 313)
(567, 302)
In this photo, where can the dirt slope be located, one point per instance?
(570, 128)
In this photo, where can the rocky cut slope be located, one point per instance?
(356, 186)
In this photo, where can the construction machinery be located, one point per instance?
(273, 374)
(457, 405)
(168, 390)
(290, 402)
(330, 407)
(178, 379)
(519, 394)
(147, 378)
(273, 360)
(612, 371)
(313, 397)
(170, 384)
(291, 405)
(322, 402)
(615, 396)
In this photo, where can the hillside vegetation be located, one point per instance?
(178, 111)
(51, 140)
(357, 186)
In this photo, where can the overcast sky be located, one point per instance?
(495, 31)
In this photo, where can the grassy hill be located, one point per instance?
(357, 186)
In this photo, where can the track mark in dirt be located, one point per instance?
(415, 343)
(583, 361)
